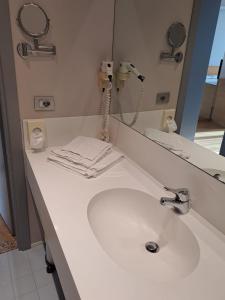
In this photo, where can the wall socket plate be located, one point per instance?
(167, 113)
(46, 103)
(162, 98)
(35, 124)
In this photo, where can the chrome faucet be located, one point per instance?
(181, 201)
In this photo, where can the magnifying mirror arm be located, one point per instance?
(177, 57)
(25, 49)
(43, 49)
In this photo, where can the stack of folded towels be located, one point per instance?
(87, 156)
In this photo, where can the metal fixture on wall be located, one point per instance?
(176, 36)
(34, 23)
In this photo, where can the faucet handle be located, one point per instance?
(181, 193)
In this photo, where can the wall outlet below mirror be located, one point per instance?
(44, 103)
(162, 98)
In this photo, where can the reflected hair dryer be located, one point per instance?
(127, 67)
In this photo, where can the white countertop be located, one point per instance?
(66, 196)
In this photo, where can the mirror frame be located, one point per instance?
(29, 33)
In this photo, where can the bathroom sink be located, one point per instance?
(141, 236)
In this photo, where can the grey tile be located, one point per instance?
(24, 285)
(48, 292)
(7, 292)
(4, 269)
(37, 257)
(30, 296)
(19, 264)
(42, 278)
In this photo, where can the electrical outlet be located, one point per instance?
(167, 114)
(35, 125)
(44, 103)
(162, 98)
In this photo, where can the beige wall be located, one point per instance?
(140, 36)
(207, 100)
(219, 107)
(82, 32)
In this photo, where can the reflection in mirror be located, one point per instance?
(148, 80)
(176, 36)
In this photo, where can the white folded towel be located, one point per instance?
(88, 148)
(77, 159)
(87, 156)
(102, 165)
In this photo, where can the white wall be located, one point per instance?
(207, 100)
(219, 106)
(82, 31)
(218, 47)
(140, 36)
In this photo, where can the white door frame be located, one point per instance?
(11, 131)
(200, 41)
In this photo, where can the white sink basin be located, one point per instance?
(124, 220)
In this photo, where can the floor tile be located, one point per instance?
(7, 292)
(19, 264)
(23, 276)
(24, 285)
(48, 293)
(42, 278)
(4, 269)
(37, 257)
(30, 296)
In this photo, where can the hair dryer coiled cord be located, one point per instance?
(140, 100)
(106, 104)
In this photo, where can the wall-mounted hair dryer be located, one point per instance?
(123, 74)
(127, 68)
(107, 70)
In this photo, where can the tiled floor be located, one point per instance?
(211, 140)
(23, 276)
(209, 135)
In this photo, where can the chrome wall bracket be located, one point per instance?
(35, 49)
(172, 56)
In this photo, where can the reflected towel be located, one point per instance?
(170, 141)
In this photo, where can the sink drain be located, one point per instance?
(152, 247)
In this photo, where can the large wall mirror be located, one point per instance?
(154, 54)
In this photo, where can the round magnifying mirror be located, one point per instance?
(176, 35)
(33, 20)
